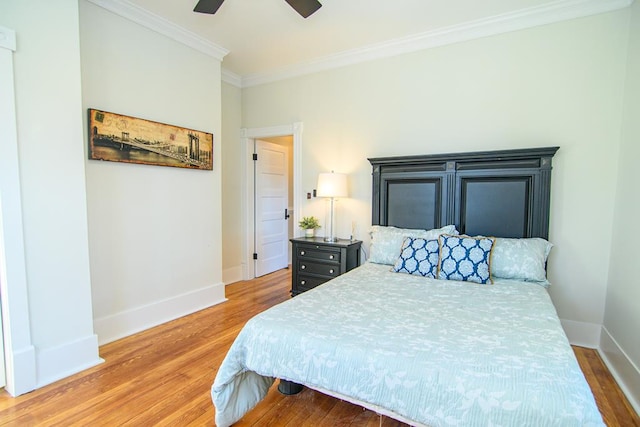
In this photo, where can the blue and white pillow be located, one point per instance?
(418, 256)
(465, 258)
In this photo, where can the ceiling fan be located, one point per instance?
(304, 7)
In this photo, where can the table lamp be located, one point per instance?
(332, 186)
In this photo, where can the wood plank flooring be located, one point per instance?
(163, 376)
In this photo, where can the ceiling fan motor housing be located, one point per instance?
(304, 7)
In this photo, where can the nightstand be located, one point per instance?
(316, 261)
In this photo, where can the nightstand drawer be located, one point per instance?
(312, 252)
(316, 261)
(304, 283)
(324, 269)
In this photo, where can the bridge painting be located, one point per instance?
(120, 138)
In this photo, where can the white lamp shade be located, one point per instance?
(332, 185)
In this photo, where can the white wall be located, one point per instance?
(559, 84)
(52, 185)
(155, 233)
(621, 340)
(232, 235)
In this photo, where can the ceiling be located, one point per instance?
(268, 36)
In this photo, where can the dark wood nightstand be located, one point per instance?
(316, 261)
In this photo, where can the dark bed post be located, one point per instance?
(449, 216)
(545, 191)
(375, 202)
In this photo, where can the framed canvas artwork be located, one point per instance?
(119, 138)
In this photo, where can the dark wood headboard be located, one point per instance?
(493, 193)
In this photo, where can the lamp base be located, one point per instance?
(331, 239)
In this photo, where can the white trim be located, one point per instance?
(231, 78)
(16, 326)
(65, 360)
(247, 185)
(526, 18)
(297, 176)
(7, 38)
(622, 368)
(129, 322)
(21, 374)
(582, 334)
(162, 26)
(232, 275)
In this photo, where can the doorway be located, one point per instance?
(272, 203)
(287, 135)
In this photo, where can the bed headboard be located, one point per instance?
(493, 193)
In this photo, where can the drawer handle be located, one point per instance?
(302, 282)
(330, 256)
(302, 267)
(301, 252)
(331, 271)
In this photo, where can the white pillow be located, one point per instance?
(521, 259)
(386, 242)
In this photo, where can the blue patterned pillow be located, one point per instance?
(418, 256)
(465, 258)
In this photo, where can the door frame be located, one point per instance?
(248, 135)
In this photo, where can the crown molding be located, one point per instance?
(162, 26)
(513, 21)
(526, 18)
(231, 77)
(7, 38)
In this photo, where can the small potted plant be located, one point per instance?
(309, 225)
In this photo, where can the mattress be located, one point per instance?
(428, 352)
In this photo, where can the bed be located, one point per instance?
(418, 343)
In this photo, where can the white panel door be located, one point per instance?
(271, 184)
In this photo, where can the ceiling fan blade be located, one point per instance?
(305, 7)
(208, 6)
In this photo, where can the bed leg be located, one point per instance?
(288, 388)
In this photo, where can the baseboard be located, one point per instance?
(625, 372)
(21, 371)
(120, 325)
(55, 363)
(582, 334)
(232, 275)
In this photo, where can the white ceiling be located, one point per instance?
(267, 36)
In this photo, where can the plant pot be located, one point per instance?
(309, 232)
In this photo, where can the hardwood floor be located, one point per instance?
(163, 377)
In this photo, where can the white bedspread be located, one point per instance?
(439, 353)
